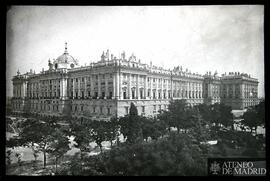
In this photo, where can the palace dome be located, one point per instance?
(65, 59)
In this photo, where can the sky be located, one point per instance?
(226, 38)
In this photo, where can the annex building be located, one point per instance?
(107, 87)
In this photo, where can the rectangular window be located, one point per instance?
(124, 95)
(133, 94)
(143, 109)
(94, 109)
(126, 109)
(110, 94)
(82, 94)
(109, 110)
(103, 94)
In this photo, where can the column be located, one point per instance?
(64, 82)
(114, 85)
(106, 87)
(99, 86)
(137, 87)
(161, 88)
(233, 91)
(73, 88)
(65, 87)
(167, 89)
(85, 86)
(118, 85)
(39, 89)
(193, 90)
(172, 88)
(61, 88)
(79, 87)
(145, 86)
(129, 86)
(180, 89)
(23, 90)
(201, 91)
(48, 88)
(209, 90)
(151, 88)
(187, 90)
(92, 86)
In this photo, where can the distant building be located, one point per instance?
(106, 88)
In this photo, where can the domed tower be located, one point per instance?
(65, 60)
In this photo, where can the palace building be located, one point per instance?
(107, 87)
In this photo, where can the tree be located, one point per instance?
(112, 129)
(82, 136)
(250, 119)
(226, 116)
(130, 126)
(59, 145)
(133, 110)
(98, 132)
(205, 112)
(200, 129)
(179, 114)
(147, 127)
(174, 155)
(152, 127)
(260, 110)
(165, 118)
(38, 133)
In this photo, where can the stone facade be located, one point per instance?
(106, 88)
